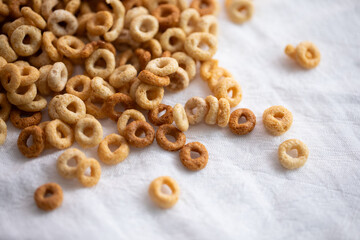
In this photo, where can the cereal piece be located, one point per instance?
(134, 86)
(46, 202)
(113, 157)
(288, 161)
(14, 7)
(62, 164)
(200, 105)
(37, 19)
(40, 58)
(93, 179)
(115, 99)
(92, 108)
(34, 42)
(22, 95)
(163, 142)
(125, 117)
(190, 163)
(207, 68)
(173, 39)
(154, 47)
(42, 84)
(124, 57)
(242, 128)
(3, 131)
(227, 85)
(69, 66)
(205, 7)
(239, 11)
(79, 86)
(209, 24)
(42, 125)
(223, 116)
(101, 88)
(99, 23)
(70, 108)
(166, 118)
(189, 20)
(161, 199)
(148, 97)
(133, 13)
(72, 6)
(135, 129)
(28, 75)
(119, 18)
(168, 15)
(195, 40)
(89, 48)
(51, 107)
(59, 16)
(93, 70)
(49, 41)
(306, 54)
(219, 75)
(143, 56)
(10, 77)
(22, 120)
(47, 8)
(122, 75)
(125, 41)
(5, 107)
(82, 21)
(178, 80)
(36, 105)
(163, 66)
(88, 132)
(59, 134)
(57, 77)
(152, 79)
(70, 46)
(6, 50)
(183, 5)
(186, 62)
(38, 141)
(153, 4)
(180, 118)
(4, 9)
(277, 120)
(213, 106)
(144, 28)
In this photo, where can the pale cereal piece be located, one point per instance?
(133, 13)
(183, 5)
(41, 59)
(51, 107)
(94, 71)
(161, 199)
(101, 88)
(59, 16)
(224, 87)
(5, 107)
(200, 105)
(224, 112)
(46, 202)
(79, 81)
(134, 86)
(288, 161)
(142, 96)
(218, 75)
(213, 106)
(69, 46)
(178, 80)
(70, 108)
(31, 15)
(205, 7)
(39, 103)
(195, 40)
(163, 66)
(100, 23)
(64, 169)
(153, 46)
(57, 77)
(119, 18)
(47, 8)
(180, 118)
(124, 118)
(3, 131)
(173, 39)
(144, 28)
(17, 40)
(306, 54)
(113, 157)
(88, 132)
(59, 134)
(186, 62)
(277, 120)
(93, 179)
(42, 83)
(239, 11)
(22, 95)
(122, 75)
(208, 24)
(189, 20)
(10, 27)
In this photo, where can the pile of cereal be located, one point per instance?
(131, 53)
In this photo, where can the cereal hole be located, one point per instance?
(48, 193)
(140, 133)
(72, 162)
(25, 71)
(22, 90)
(309, 54)
(165, 189)
(151, 94)
(26, 39)
(242, 120)
(119, 108)
(100, 21)
(144, 27)
(88, 131)
(279, 115)
(60, 132)
(194, 110)
(113, 147)
(293, 153)
(194, 154)
(204, 5)
(230, 92)
(203, 46)
(72, 107)
(182, 65)
(62, 24)
(25, 114)
(165, 13)
(173, 40)
(30, 141)
(192, 22)
(170, 138)
(100, 63)
(79, 87)
(242, 11)
(88, 172)
(162, 113)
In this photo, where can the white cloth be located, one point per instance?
(243, 193)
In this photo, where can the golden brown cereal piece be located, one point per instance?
(3, 131)
(14, 7)
(190, 163)
(72, 6)
(38, 104)
(79, 86)
(180, 118)
(10, 27)
(101, 88)
(5, 107)
(93, 179)
(133, 13)
(150, 78)
(200, 105)
(189, 20)
(22, 95)
(195, 40)
(113, 157)
(62, 164)
(17, 40)
(218, 75)
(3, 62)
(28, 75)
(277, 120)
(163, 142)
(213, 106)
(186, 62)
(49, 42)
(93, 108)
(239, 11)
(22, 119)
(242, 128)
(88, 132)
(10, 77)
(42, 125)
(70, 108)
(122, 75)
(124, 57)
(40, 58)
(57, 77)
(89, 48)
(135, 129)
(154, 47)
(37, 19)
(119, 16)
(6, 50)
(82, 20)
(207, 68)
(4, 9)
(161, 199)
(143, 56)
(148, 97)
(163, 66)
(227, 85)
(143, 28)
(126, 116)
(153, 4)
(178, 80)
(166, 118)
(46, 202)
(135, 83)
(306, 54)
(205, 7)
(288, 161)
(38, 141)
(223, 116)
(69, 46)
(168, 15)
(173, 39)
(104, 72)
(59, 16)
(59, 134)
(129, 4)
(115, 99)
(100, 23)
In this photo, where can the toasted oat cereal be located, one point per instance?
(277, 120)
(62, 165)
(306, 54)
(161, 199)
(46, 202)
(288, 161)
(88, 132)
(113, 157)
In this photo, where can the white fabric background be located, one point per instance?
(243, 192)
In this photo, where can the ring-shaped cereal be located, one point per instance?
(46, 202)
(5, 107)
(143, 57)
(36, 105)
(166, 118)
(57, 77)
(239, 11)
(3, 131)
(135, 83)
(180, 118)
(125, 118)
(223, 116)
(115, 99)
(144, 28)
(213, 106)
(6, 51)
(133, 13)
(70, 46)
(88, 132)
(70, 109)
(95, 168)
(224, 87)
(189, 20)
(119, 18)
(72, 5)
(40, 59)
(79, 86)
(186, 62)
(205, 7)
(168, 15)
(100, 23)
(59, 16)
(59, 134)
(51, 107)
(36, 18)
(277, 120)
(41, 84)
(14, 7)
(93, 70)
(288, 161)
(49, 41)
(164, 143)
(200, 105)
(125, 41)
(209, 24)
(28, 75)
(90, 47)
(306, 54)
(135, 129)
(194, 164)
(47, 8)
(20, 121)
(242, 128)
(195, 40)
(113, 157)
(17, 40)
(179, 80)
(22, 95)
(62, 164)
(10, 27)
(161, 199)
(38, 141)
(154, 47)
(92, 108)
(163, 66)
(129, 4)
(150, 78)
(82, 21)
(122, 75)
(173, 39)
(10, 77)
(218, 75)
(148, 97)
(101, 88)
